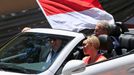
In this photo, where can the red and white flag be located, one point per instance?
(74, 15)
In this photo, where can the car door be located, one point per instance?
(122, 65)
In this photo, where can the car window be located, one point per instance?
(27, 52)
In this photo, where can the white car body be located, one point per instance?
(123, 65)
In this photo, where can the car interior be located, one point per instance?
(125, 38)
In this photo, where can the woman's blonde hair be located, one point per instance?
(94, 41)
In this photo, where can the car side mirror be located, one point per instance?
(73, 66)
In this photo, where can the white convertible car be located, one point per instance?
(26, 53)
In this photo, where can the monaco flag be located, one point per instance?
(74, 15)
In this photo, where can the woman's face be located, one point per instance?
(87, 48)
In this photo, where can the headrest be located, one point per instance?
(123, 27)
(105, 42)
(115, 30)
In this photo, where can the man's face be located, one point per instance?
(99, 30)
(56, 43)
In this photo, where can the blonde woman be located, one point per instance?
(91, 47)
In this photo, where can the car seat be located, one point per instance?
(126, 42)
(106, 45)
(115, 32)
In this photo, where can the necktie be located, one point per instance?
(52, 56)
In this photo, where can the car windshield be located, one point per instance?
(27, 52)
